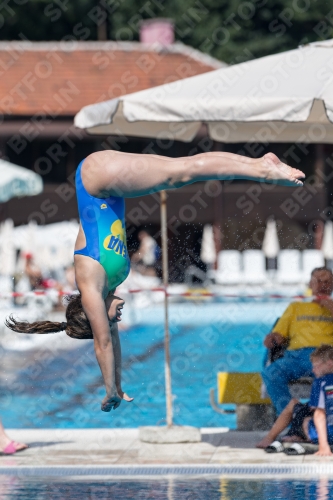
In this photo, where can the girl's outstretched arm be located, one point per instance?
(94, 308)
(117, 356)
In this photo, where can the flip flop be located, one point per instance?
(275, 447)
(10, 449)
(295, 449)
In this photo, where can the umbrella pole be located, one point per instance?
(164, 238)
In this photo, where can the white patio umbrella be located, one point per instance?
(208, 251)
(31, 239)
(18, 181)
(327, 244)
(15, 181)
(51, 245)
(284, 97)
(270, 244)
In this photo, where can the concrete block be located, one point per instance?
(255, 417)
(173, 434)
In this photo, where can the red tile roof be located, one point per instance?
(61, 77)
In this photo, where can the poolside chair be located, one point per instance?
(229, 263)
(6, 284)
(289, 267)
(311, 259)
(254, 266)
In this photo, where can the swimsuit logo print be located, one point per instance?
(104, 205)
(116, 241)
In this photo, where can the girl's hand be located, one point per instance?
(111, 401)
(124, 396)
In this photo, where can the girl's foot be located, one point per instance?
(279, 173)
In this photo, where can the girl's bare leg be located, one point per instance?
(117, 360)
(268, 168)
(106, 173)
(281, 423)
(5, 440)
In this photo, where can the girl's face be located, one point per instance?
(114, 306)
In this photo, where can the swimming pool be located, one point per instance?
(50, 387)
(167, 488)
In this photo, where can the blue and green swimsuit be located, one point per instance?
(103, 223)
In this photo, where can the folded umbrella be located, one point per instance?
(18, 181)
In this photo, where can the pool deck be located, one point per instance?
(63, 448)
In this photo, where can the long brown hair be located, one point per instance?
(77, 326)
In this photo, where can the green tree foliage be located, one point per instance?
(230, 30)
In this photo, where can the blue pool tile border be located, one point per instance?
(166, 470)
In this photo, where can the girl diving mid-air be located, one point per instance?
(101, 260)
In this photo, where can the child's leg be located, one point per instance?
(106, 173)
(281, 423)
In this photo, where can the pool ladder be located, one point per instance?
(215, 406)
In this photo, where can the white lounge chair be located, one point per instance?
(311, 260)
(229, 267)
(6, 284)
(289, 267)
(254, 267)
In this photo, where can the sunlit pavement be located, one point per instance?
(106, 447)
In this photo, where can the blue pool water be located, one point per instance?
(43, 388)
(175, 488)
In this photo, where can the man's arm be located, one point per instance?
(319, 419)
(273, 339)
(280, 333)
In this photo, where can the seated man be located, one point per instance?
(302, 327)
(311, 422)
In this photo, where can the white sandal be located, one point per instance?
(295, 449)
(275, 447)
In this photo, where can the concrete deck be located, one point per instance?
(121, 447)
